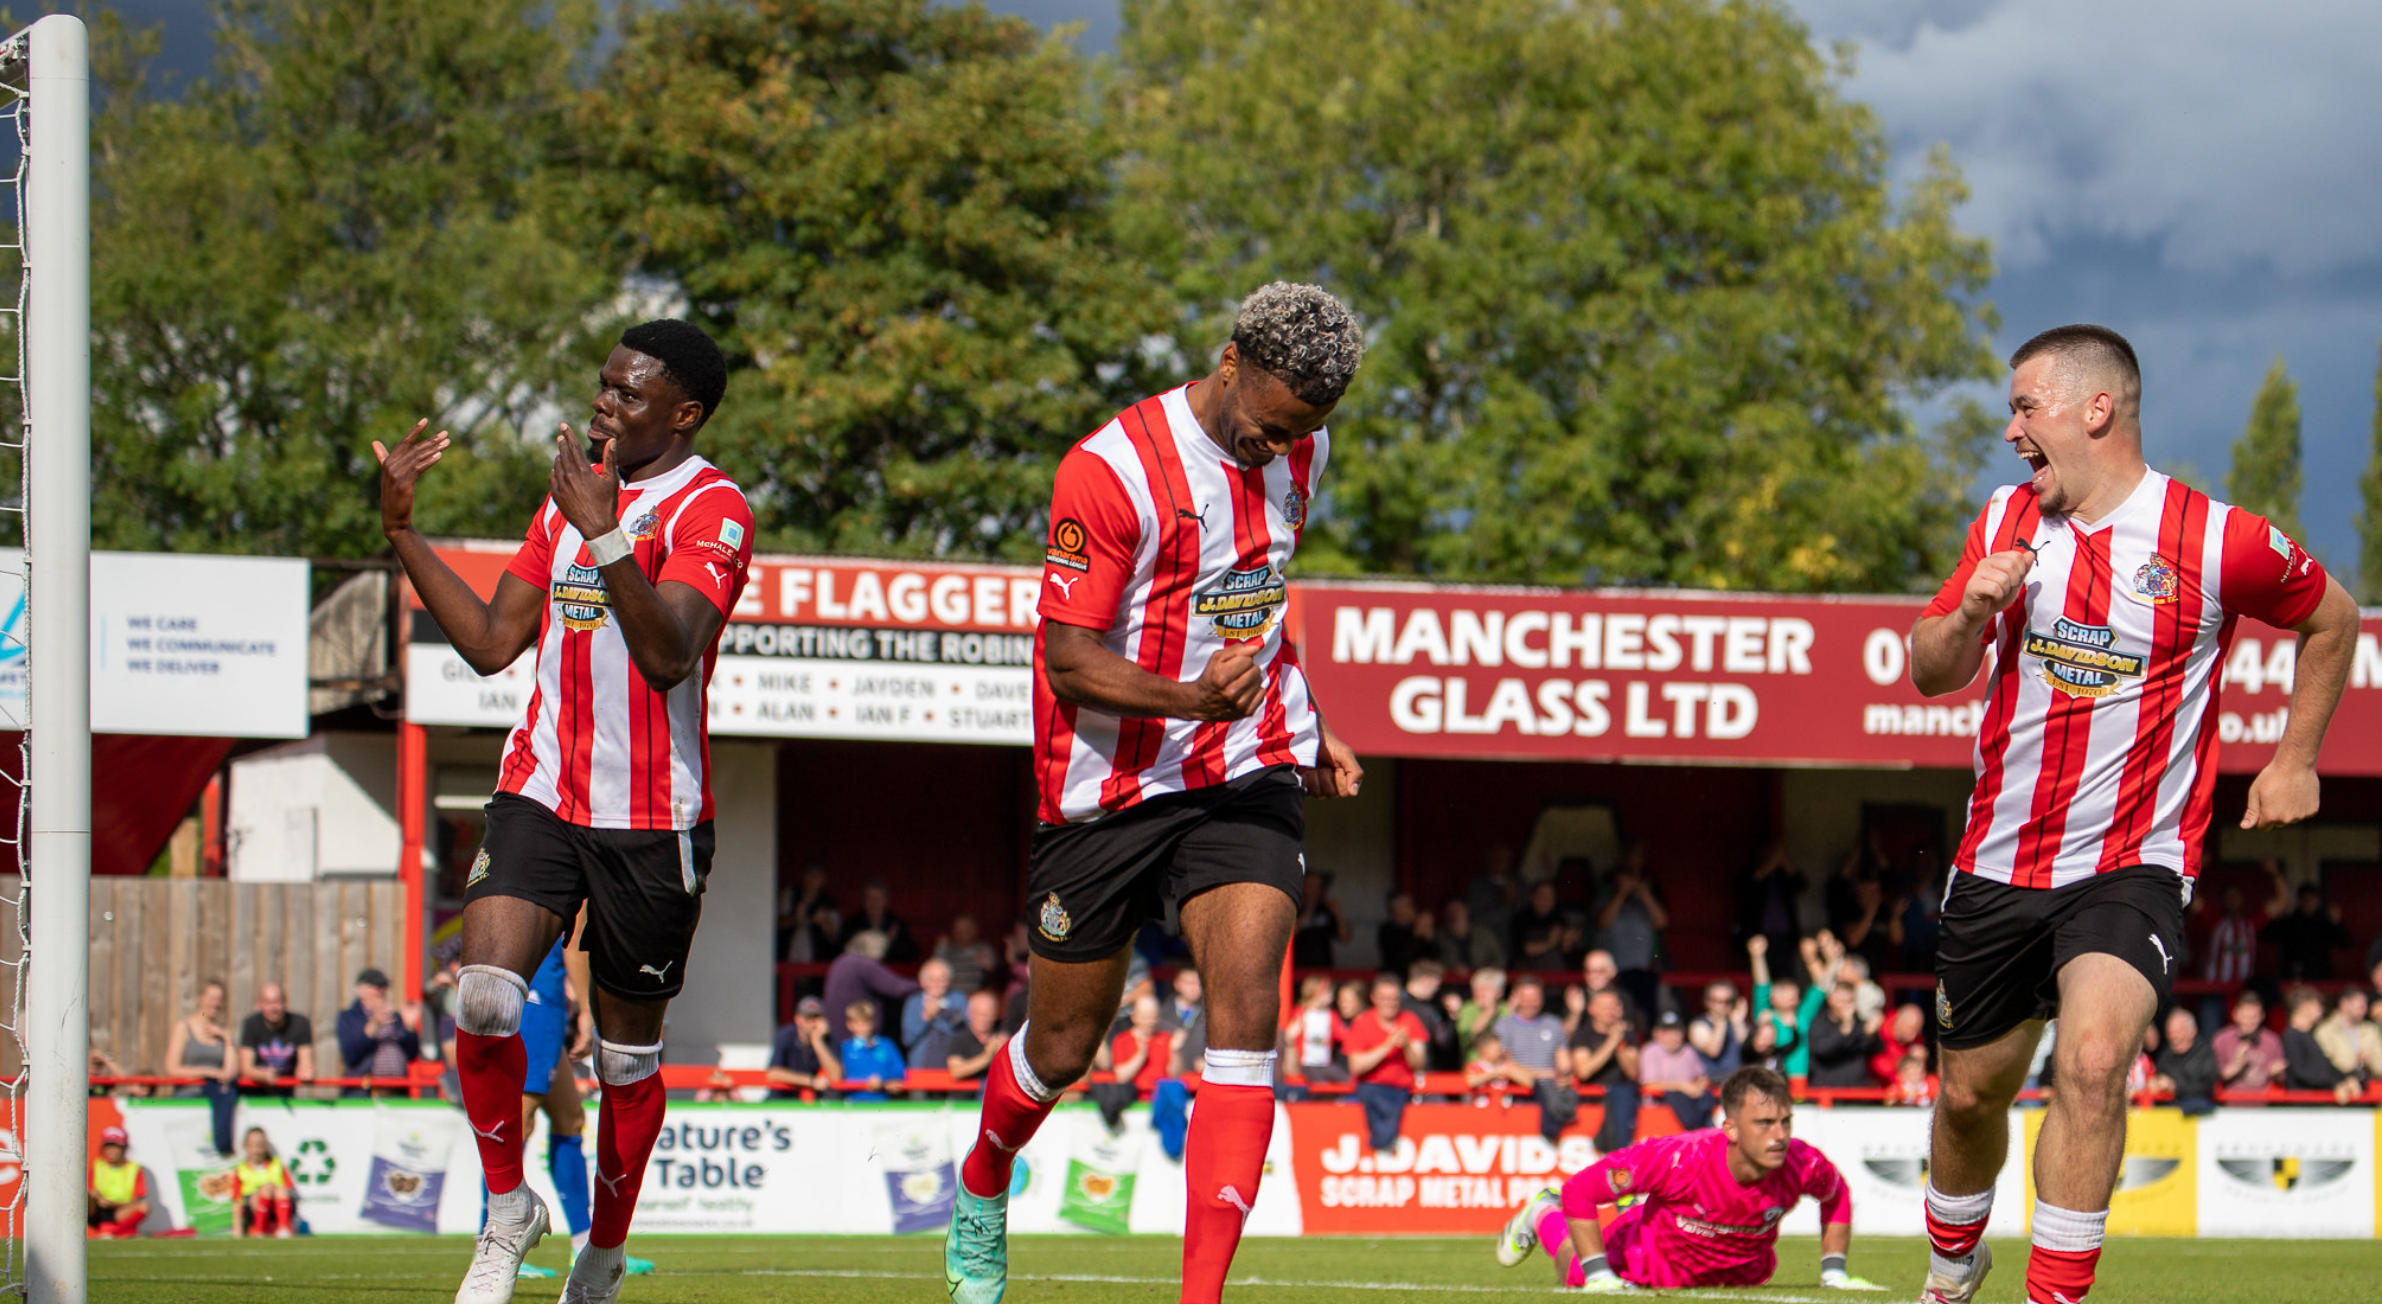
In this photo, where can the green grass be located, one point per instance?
(1077, 1270)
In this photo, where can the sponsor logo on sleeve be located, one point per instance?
(1067, 546)
(732, 534)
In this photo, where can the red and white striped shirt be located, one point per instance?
(1171, 548)
(597, 745)
(2098, 746)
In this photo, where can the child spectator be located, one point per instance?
(870, 1060)
(1670, 1073)
(1314, 1033)
(263, 1200)
(1787, 1006)
(1913, 1084)
(2249, 1056)
(2186, 1067)
(2305, 1067)
(1385, 1046)
(1490, 1065)
(117, 1194)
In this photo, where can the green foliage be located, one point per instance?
(894, 216)
(2265, 474)
(2369, 509)
(341, 231)
(1642, 308)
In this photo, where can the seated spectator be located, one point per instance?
(1492, 1066)
(1671, 1073)
(2304, 939)
(116, 1194)
(1913, 1084)
(1604, 1054)
(1183, 1017)
(2185, 1067)
(1600, 973)
(868, 1059)
(2305, 1066)
(1534, 1039)
(1422, 1001)
(969, 956)
(1485, 1008)
(930, 1015)
(1907, 1029)
(973, 1047)
(1718, 1034)
(2249, 1055)
(2352, 1044)
(263, 1201)
(1542, 936)
(1385, 1047)
(274, 1043)
(1311, 1041)
(1842, 1041)
(859, 974)
(802, 1057)
(376, 1038)
(199, 1047)
(876, 916)
(1136, 1057)
(1461, 944)
(1395, 938)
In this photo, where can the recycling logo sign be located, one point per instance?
(313, 1163)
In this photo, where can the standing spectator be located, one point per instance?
(1718, 1034)
(859, 974)
(1534, 1038)
(274, 1043)
(1906, 1031)
(2185, 1067)
(1492, 893)
(1670, 1073)
(1604, 1054)
(2249, 1055)
(199, 1048)
(1462, 943)
(2352, 1044)
(1630, 924)
(971, 957)
(1385, 1046)
(1601, 974)
(1183, 1016)
(803, 1058)
(930, 1015)
(1422, 1001)
(1842, 1041)
(1542, 935)
(1856, 899)
(869, 1059)
(1322, 928)
(1313, 1037)
(1395, 939)
(2305, 938)
(2305, 1066)
(1915, 925)
(1769, 895)
(376, 1039)
(973, 1047)
(807, 922)
(876, 916)
(116, 1194)
(1482, 1012)
(2233, 939)
(1785, 1006)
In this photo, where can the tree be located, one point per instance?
(893, 214)
(1641, 307)
(2265, 474)
(2369, 511)
(343, 229)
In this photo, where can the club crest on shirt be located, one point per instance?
(1067, 546)
(645, 527)
(2157, 582)
(1243, 603)
(581, 599)
(1294, 508)
(1055, 923)
(2082, 660)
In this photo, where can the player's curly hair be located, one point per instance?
(1303, 337)
(689, 357)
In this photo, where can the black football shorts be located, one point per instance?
(1997, 964)
(643, 889)
(1091, 886)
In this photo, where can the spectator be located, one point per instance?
(803, 1058)
(1464, 944)
(1136, 1056)
(1869, 999)
(1321, 925)
(1489, 898)
(1385, 1046)
(274, 1043)
(1914, 926)
(1907, 1029)
(1315, 1033)
(2185, 1067)
(1856, 898)
(1395, 938)
(930, 1015)
(1422, 1001)
(970, 957)
(1183, 1016)
(1786, 1006)
(859, 974)
(876, 916)
(1542, 935)
(1842, 1041)
(199, 1048)
(1534, 1039)
(116, 1194)
(868, 1059)
(376, 1039)
(2233, 939)
(1603, 975)
(2352, 1044)
(1761, 1046)
(2249, 1055)
(1769, 894)
(807, 922)
(1912, 1084)
(1630, 924)
(263, 1200)
(973, 1047)
(1483, 1011)
(2305, 938)
(1491, 1065)
(1718, 1034)
(1604, 1054)
(1575, 1007)
(1671, 1073)
(2305, 1066)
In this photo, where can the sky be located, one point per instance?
(2204, 176)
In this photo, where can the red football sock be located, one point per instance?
(1953, 1240)
(492, 1070)
(626, 1128)
(2060, 1276)
(1223, 1159)
(1009, 1119)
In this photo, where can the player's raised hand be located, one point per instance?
(400, 467)
(1232, 685)
(588, 496)
(1996, 583)
(1336, 772)
(2280, 795)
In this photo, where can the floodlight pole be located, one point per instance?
(57, 326)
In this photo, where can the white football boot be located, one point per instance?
(1520, 1236)
(596, 1276)
(1945, 1289)
(516, 1220)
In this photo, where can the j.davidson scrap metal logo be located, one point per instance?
(2082, 660)
(1243, 603)
(581, 599)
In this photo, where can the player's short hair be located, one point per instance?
(1301, 336)
(2091, 355)
(689, 357)
(1753, 1080)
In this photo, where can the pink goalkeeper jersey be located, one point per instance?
(1695, 1226)
(597, 745)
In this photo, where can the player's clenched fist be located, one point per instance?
(1232, 684)
(1996, 583)
(399, 468)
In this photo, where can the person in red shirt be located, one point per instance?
(1138, 1053)
(1385, 1044)
(1902, 1033)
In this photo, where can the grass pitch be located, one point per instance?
(1143, 1270)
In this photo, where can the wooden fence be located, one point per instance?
(156, 941)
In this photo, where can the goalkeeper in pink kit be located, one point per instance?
(1706, 1204)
